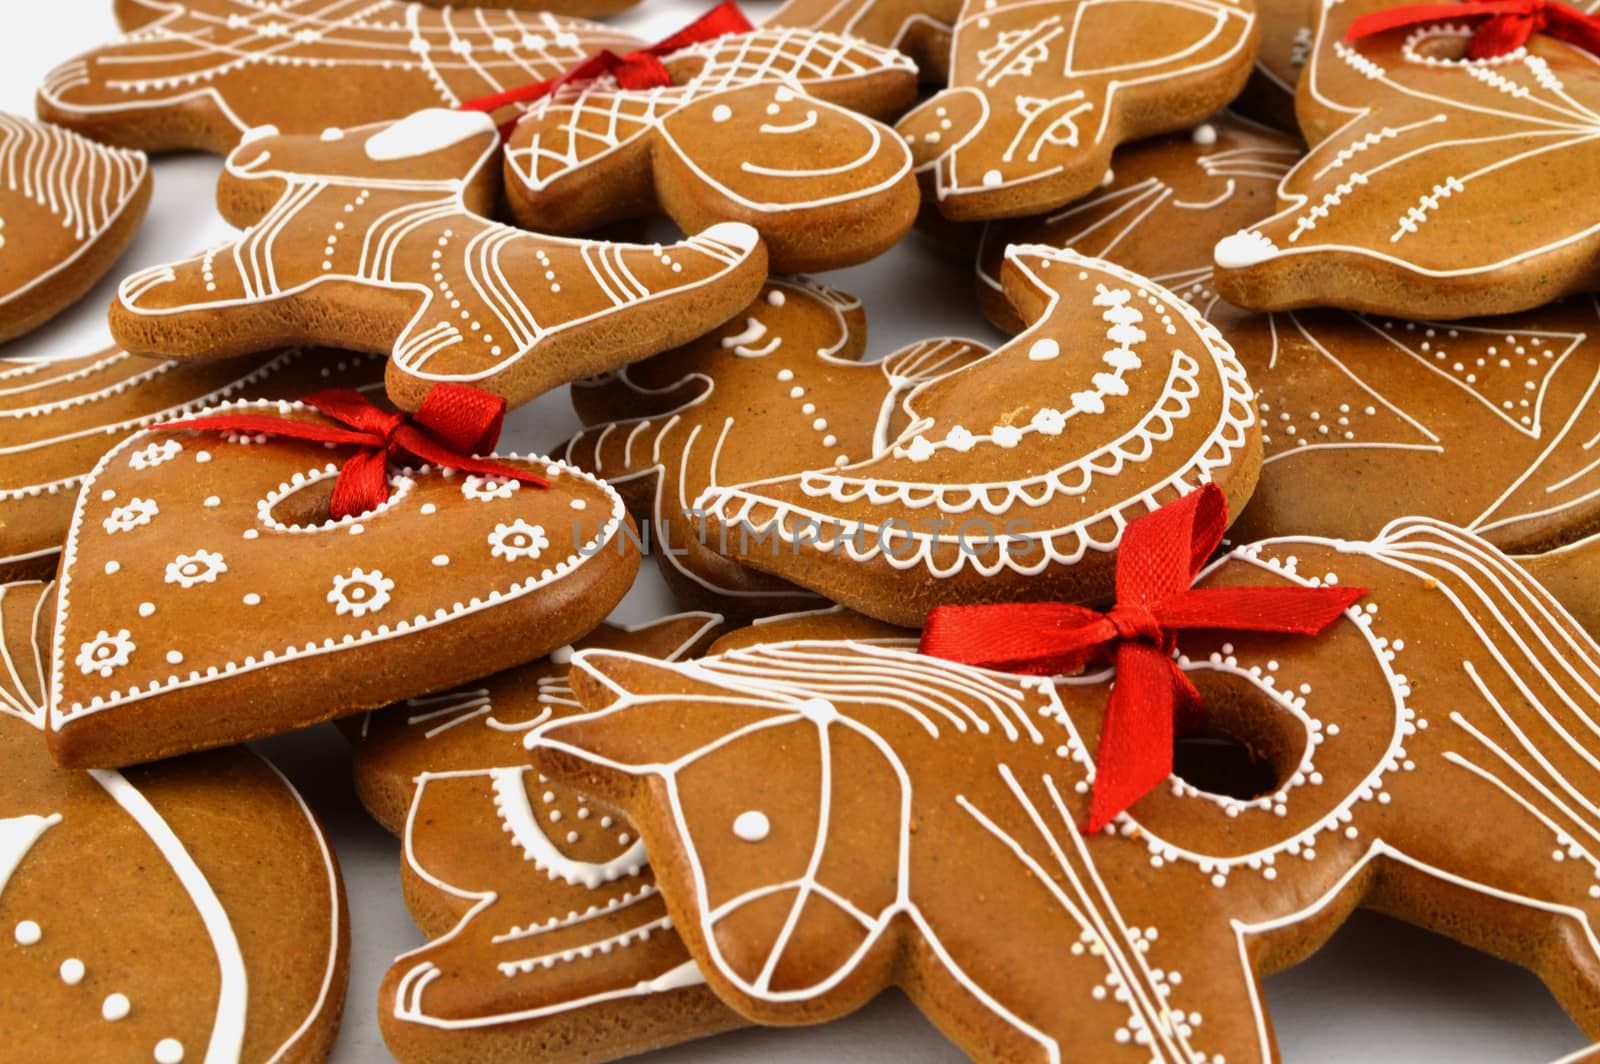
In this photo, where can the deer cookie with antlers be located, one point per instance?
(774, 127)
(827, 818)
(375, 239)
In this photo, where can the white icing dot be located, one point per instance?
(441, 560)
(112, 567)
(991, 178)
(72, 971)
(1205, 135)
(213, 502)
(169, 1051)
(115, 1007)
(1044, 350)
(28, 933)
(252, 599)
(721, 113)
(174, 658)
(751, 826)
(147, 609)
(428, 508)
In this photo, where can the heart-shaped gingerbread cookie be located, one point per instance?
(206, 598)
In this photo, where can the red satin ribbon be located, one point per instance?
(1152, 700)
(455, 424)
(1508, 25)
(640, 69)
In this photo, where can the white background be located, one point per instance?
(1378, 991)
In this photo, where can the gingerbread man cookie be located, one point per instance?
(829, 818)
(376, 239)
(1041, 91)
(190, 910)
(1017, 473)
(778, 390)
(757, 127)
(1166, 203)
(549, 939)
(58, 417)
(204, 569)
(68, 208)
(1437, 186)
(919, 29)
(202, 73)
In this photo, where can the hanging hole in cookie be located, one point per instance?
(1250, 744)
(305, 503)
(1220, 764)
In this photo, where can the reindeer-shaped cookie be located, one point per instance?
(1015, 474)
(830, 818)
(549, 939)
(201, 73)
(1041, 91)
(375, 239)
(758, 127)
(1437, 186)
(778, 390)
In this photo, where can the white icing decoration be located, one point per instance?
(1243, 249)
(169, 1051)
(511, 798)
(360, 592)
(201, 567)
(424, 132)
(28, 933)
(130, 516)
(751, 826)
(17, 836)
(115, 1007)
(105, 653)
(72, 971)
(517, 540)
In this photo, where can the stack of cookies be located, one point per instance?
(1024, 673)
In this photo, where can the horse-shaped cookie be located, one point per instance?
(778, 390)
(375, 239)
(201, 73)
(1016, 473)
(1438, 186)
(1041, 91)
(759, 127)
(831, 818)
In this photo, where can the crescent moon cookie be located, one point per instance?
(68, 208)
(199, 74)
(549, 938)
(758, 127)
(828, 818)
(1166, 203)
(1017, 473)
(1415, 199)
(57, 418)
(1041, 91)
(377, 239)
(919, 29)
(215, 577)
(190, 910)
(777, 391)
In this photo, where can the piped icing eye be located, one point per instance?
(751, 826)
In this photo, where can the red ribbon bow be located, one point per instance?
(1152, 700)
(1508, 25)
(641, 69)
(454, 424)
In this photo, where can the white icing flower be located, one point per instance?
(154, 454)
(919, 450)
(1007, 435)
(126, 518)
(361, 592)
(517, 540)
(105, 653)
(201, 567)
(1050, 422)
(959, 439)
(485, 488)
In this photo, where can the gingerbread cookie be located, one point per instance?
(1417, 197)
(919, 29)
(1017, 473)
(1286, 37)
(586, 8)
(506, 871)
(190, 910)
(1040, 94)
(58, 417)
(832, 622)
(203, 569)
(68, 208)
(828, 818)
(375, 239)
(778, 390)
(1168, 200)
(202, 73)
(757, 127)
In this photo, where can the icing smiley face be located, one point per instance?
(549, 937)
(186, 911)
(923, 817)
(1413, 200)
(201, 73)
(68, 208)
(449, 295)
(238, 534)
(673, 427)
(1040, 94)
(761, 127)
(1130, 398)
